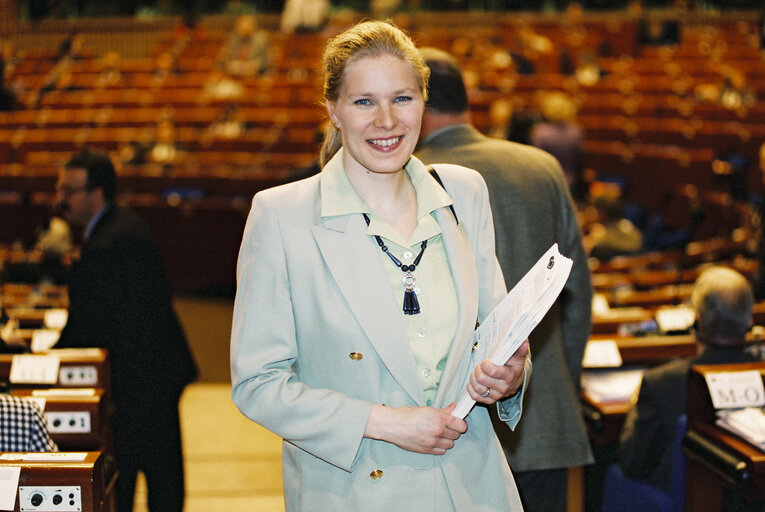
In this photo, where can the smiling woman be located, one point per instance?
(324, 354)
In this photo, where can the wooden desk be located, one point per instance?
(652, 349)
(43, 480)
(78, 419)
(609, 323)
(604, 419)
(718, 462)
(87, 367)
(662, 296)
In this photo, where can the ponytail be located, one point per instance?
(333, 141)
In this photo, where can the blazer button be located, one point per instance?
(376, 474)
(356, 356)
(475, 346)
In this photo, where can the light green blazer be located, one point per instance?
(311, 292)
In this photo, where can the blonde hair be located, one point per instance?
(365, 39)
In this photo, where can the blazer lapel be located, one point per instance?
(465, 274)
(353, 260)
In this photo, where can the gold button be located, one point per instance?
(376, 474)
(356, 356)
(475, 346)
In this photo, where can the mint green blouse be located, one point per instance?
(430, 332)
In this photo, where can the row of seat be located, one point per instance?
(72, 388)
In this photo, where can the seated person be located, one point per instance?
(246, 53)
(722, 301)
(611, 234)
(23, 427)
(11, 342)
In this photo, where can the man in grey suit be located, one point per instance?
(532, 209)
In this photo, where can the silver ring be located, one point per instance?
(488, 390)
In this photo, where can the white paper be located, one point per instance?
(602, 354)
(9, 483)
(730, 390)
(747, 423)
(55, 318)
(43, 340)
(34, 369)
(612, 386)
(64, 392)
(513, 319)
(45, 456)
(600, 305)
(76, 352)
(678, 318)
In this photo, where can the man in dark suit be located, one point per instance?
(119, 299)
(532, 209)
(722, 300)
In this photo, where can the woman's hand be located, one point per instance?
(416, 429)
(489, 382)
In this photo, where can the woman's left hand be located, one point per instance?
(490, 382)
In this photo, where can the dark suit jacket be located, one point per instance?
(645, 449)
(119, 299)
(532, 209)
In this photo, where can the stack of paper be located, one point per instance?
(747, 423)
(511, 322)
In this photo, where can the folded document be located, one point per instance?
(511, 322)
(747, 423)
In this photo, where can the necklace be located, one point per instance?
(411, 304)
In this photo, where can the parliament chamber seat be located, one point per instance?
(623, 494)
(66, 481)
(79, 419)
(721, 467)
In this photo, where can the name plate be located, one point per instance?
(731, 390)
(32, 369)
(9, 481)
(602, 354)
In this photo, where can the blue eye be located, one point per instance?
(362, 101)
(400, 99)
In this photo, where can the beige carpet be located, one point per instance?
(207, 322)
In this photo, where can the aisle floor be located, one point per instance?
(230, 462)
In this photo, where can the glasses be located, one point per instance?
(68, 191)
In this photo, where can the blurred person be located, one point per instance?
(228, 125)
(120, 300)
(54, 241)
(110, 74)
(7, 96)
(722, 302)
(325, 353)
(219, 85)
(759, 277)
(246, 52)
(532, 209)
(166, 149)
(611, 233)
(500, 117)
(304, 15)
(559, 135)
(23, 427)
(165, 66)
